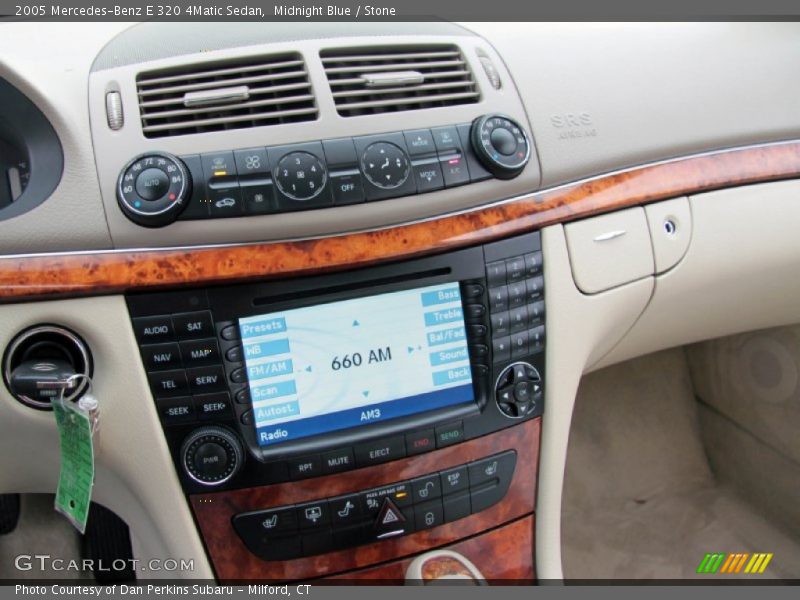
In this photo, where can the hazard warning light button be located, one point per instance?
(390, 521)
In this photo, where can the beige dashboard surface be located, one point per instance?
(598, 97)
(135, 477)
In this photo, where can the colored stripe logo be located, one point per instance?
(734, 562)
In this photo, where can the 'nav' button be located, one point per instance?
(380, 451)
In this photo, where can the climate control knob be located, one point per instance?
(153, 189)
(300, 176)
(385, 165)
(501, 145)
(211, 455)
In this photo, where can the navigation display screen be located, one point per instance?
(356, 362)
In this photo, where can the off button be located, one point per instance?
(347, 187)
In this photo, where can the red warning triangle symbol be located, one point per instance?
(389, 515)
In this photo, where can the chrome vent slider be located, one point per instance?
(375, 80)
(227, 95)
(234, 94)
(379, 79)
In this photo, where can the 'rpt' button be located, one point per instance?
(307, 466)
(381, 451)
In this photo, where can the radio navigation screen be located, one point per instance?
(356, 362)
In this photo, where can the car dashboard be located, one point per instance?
(335, 287)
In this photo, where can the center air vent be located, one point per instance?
(217, 96)
(366, 81)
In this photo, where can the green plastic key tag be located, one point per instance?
(76, 424)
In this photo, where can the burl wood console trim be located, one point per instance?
(108, 272)
(233, 561)
(500, 555)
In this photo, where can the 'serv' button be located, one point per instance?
(380, 451)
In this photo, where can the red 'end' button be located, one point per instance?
(420, 441)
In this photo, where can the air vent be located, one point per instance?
(367, 81)
(227, 95)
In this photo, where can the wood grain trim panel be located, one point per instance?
(503, 555)
(107, 272)
(233, 561)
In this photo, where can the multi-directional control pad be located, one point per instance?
(518, 390)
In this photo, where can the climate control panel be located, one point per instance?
(157, 189)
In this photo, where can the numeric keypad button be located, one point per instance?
(300, 176)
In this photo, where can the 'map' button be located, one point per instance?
(446, 435)
(380, 451)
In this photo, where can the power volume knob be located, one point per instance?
(212, 455)
(153, 189)
(501, 145)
